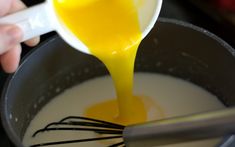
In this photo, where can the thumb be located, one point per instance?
(10, 36)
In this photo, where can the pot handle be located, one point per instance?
(33, 21)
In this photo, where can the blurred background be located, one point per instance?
(216, 16)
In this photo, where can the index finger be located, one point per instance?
(16, 6)
(5, 6)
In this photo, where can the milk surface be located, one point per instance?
(166, 97)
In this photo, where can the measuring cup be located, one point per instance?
(42, 18)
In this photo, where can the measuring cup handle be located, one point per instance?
(33, 21)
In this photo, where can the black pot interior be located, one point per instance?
(172, 48)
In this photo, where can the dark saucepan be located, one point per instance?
(173, 48)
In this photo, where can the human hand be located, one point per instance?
(10, 37)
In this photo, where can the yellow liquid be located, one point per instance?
(110, 29)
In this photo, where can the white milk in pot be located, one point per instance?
(165, 97)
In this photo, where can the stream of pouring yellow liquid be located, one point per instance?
(110, 29)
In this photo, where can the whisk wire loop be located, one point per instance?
(77, 123)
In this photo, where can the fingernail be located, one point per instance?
(33, 42)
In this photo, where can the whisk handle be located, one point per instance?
(181, 129)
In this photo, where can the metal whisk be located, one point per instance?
(161, 132)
